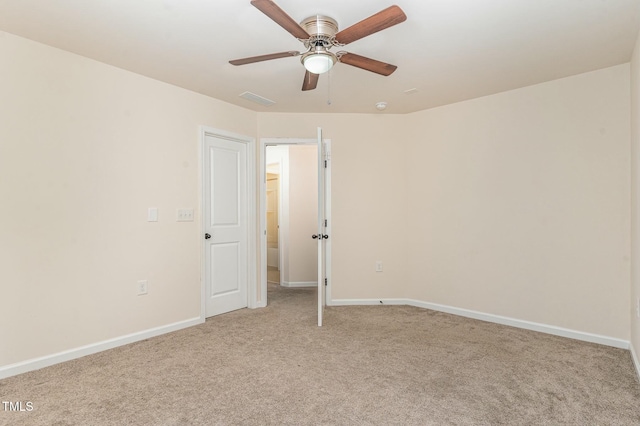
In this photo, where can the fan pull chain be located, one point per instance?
(329, 86)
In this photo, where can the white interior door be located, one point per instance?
(225, 225)
(322, 234)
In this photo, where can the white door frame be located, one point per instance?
(252, 290)
(264, 142)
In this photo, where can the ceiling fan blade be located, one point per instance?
(368, 64)
(384, 19)
(280, 17)
(261, 58)
(310, 81)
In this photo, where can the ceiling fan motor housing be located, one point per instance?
(321, 30)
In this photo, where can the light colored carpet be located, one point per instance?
(369, 365)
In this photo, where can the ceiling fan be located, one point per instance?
(319, 34)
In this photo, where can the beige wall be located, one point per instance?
(635, 200)
(516, 204)
(303, 213)
(368, 197)
(85, 149)
(519, 204)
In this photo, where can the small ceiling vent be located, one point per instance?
(257, 99)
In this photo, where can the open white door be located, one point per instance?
(323, 225)
(322, 235)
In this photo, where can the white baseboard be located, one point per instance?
(351, 302)
(299, 284)
(513, 322)
(46, 361)
(636, 361)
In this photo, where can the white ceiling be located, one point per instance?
(450, 50)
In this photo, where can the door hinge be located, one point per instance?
(325, 223)
(325, 281)
(325, 164)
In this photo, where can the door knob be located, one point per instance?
(207, 236)
(325, 236)
(314, 236)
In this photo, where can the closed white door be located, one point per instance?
(226, 225)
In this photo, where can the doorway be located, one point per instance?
(288, 213)
(273, 197)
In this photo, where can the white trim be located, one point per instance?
(300, 284)
(513, 322)
(354, 302)
(49, 360)
(252, 293)
(636, 361)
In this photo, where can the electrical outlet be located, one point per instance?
(152, 214)
(142, 287)
(378, 266)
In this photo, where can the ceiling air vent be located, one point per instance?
(257, 99)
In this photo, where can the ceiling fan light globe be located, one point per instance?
(318, 63)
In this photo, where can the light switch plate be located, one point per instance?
(184, 215)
